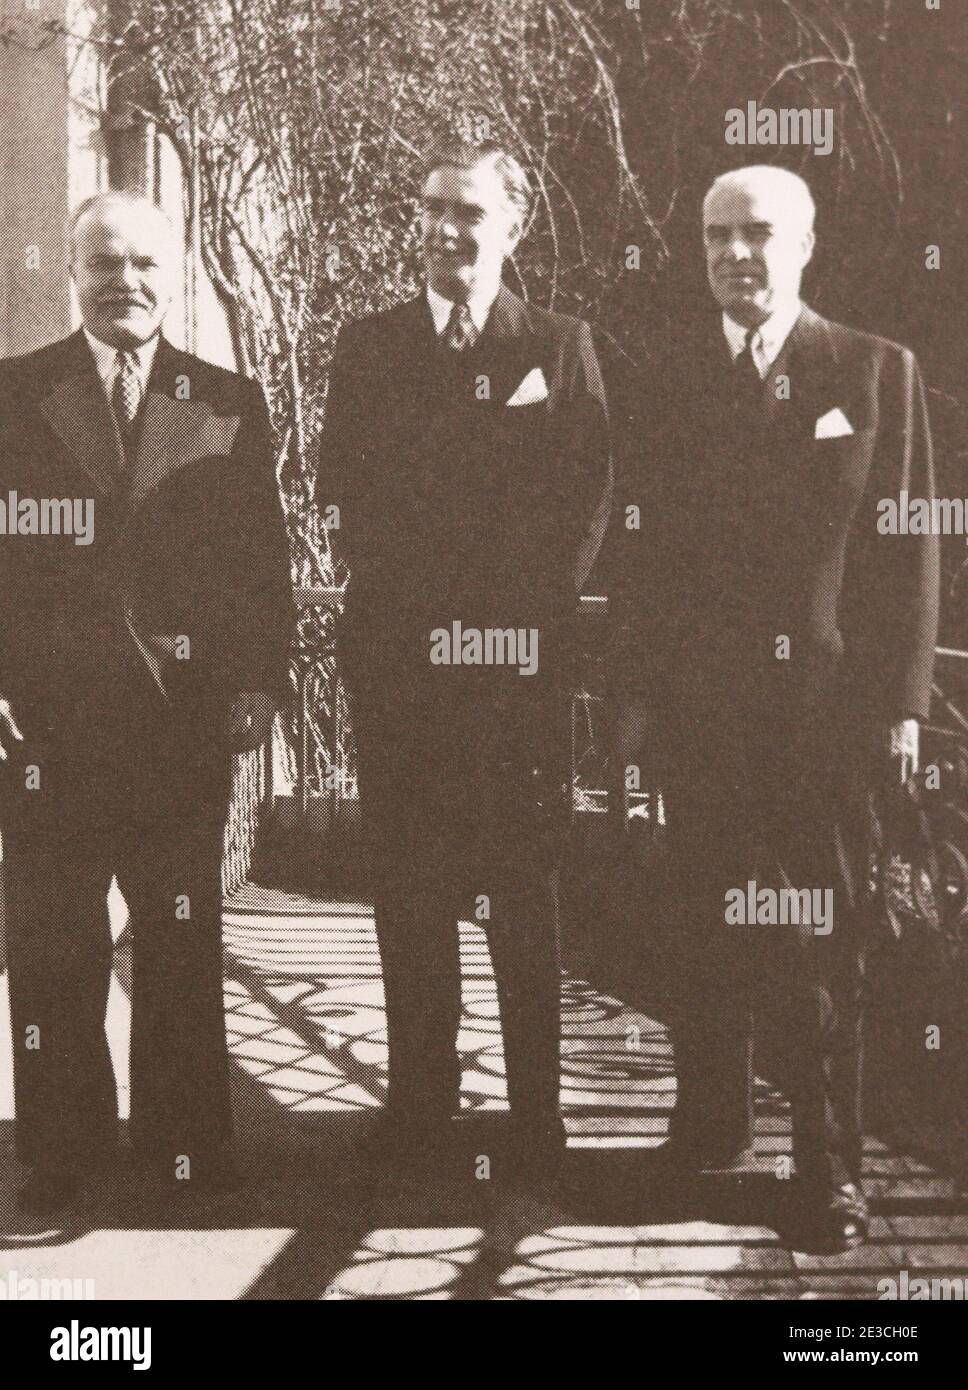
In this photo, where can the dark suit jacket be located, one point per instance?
(753, 529)
(188, 541)
(454, 506)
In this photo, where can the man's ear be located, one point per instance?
(515, 233)
(809, 242)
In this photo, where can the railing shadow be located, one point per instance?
(306, 1028)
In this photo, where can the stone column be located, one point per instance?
(35, 303)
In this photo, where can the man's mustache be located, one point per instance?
(738, 271)
(112, 301)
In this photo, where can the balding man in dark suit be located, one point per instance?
(133, 659)
(784, 644)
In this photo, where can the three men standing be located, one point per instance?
(784, 648)
(465, 450)
(131, 668)
(782, 643)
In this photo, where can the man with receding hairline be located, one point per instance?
(783, 650)
(130, 667)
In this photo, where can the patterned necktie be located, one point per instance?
(126, 396)
(460, 333)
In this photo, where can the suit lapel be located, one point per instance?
(164, 429)
(77, 409)
(809, 361)
(699, 401)
(175, 431)
(799, 476)
(507, 349)
(407, 371)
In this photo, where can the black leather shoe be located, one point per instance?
(208, 1176)
(535, 1148)
(410, 1141)
(47, 1194)
(834, 1219)
(219, 1178)
(692, 1158)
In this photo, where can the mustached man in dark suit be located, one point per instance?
(466, 461)
(131, 665)
(784, 648)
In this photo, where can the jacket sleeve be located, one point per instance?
(338, 477)
(634, 544)
(596, 472)
(259, 567)
(892, 580)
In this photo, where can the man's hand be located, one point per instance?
(8, 729)
(904, 750)
(252, 716)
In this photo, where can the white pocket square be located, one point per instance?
(833, 425)
(532, 389)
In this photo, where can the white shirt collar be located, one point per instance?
(106, 360)
(768, 340)
(479, 304)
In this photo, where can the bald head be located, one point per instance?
(785, 192)
(758, 234)
(123, 257)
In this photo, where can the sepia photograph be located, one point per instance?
(483, 666)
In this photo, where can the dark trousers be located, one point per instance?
(454, 811)
(416, 925)
(144, 800)
(783, 808)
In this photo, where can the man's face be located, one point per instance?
(467, 228)
(755, 251)
(123, 265)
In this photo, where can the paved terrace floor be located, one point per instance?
(314, 1221)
